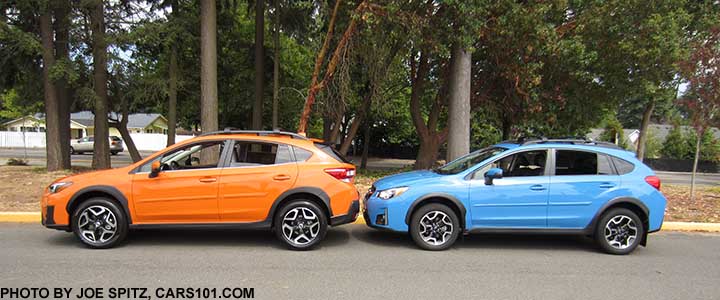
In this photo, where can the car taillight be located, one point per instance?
(343, 174)
(654, 181)
(114, 143)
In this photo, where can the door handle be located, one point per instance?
(208, 179)
(281, 177)
(607, 185)
(537, 187)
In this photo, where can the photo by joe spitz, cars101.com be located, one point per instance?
(298, 187)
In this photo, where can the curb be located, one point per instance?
(34, 217)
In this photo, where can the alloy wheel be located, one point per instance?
(97, 224)
(300, 226)
(621, 232)
(435, 228)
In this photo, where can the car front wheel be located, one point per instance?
(99, 223)
(434, 227)
(619, 231)
(301, 225)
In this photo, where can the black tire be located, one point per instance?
(72, 150)
(622, 244)
(98, 204)
(114, 152)
(303, 227)
(417, 235)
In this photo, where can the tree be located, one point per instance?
(276, 64)
(173, 80)
(259, 63)
(101, 146)
(208, 65)
(62, 11)
(52, 107)
(702, 70)
(459, 103)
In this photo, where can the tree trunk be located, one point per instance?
(276, 67)
(366, 147)
(172, 88)
(121, 126)
(643, 130)
(459, 104)
(327, 128)
(62, 53)
(506, 129)
(101, 146)
(698, 142)
(355, 124)
(259, 63)
(52, 119)
(335, 131)
(428, 152)
(208, 74)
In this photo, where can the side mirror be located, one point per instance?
(494, 173)
(155, 169)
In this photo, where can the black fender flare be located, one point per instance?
(106, 189)
(445, 196)
(317, 192)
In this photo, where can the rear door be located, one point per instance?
(257, 173)
(581, 183)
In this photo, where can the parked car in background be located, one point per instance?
(86, 144)
(228, 179)
(540, 186)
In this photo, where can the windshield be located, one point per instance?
(467, 161)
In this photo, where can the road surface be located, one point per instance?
(355, 262)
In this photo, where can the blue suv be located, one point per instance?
(541, 185)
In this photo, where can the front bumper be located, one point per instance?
(350, 217)
(385, 214)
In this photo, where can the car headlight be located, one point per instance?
(390, 193)
(58, 186)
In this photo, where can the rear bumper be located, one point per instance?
(350, 217)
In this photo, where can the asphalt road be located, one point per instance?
(359, 263)
(37, 157)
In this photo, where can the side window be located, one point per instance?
(604, 165)
(528, 163)
(623, 166)
(301, 154)
(257, 154)
(194, 156)
(569, 162)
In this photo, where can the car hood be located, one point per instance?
(405, 179)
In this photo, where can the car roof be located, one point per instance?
(590, 146)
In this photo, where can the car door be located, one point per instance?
(581, 183)
(186, 190)
(85, 144)
(257, 173)
(519, 199)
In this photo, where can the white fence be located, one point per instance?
(143, 141)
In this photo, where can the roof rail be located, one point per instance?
(572, 140)
(256, 132)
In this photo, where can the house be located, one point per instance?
(82, 124)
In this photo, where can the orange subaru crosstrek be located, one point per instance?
(237, 179)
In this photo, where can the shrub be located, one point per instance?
(17, 162)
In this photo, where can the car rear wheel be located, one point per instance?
(434, 227)
(619, 231)
(72, 150)
(300, 225)
(99, 223)
(114, 152)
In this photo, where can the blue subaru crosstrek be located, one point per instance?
(541, 185)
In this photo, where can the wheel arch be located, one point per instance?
(632, 204)
(105, 191)
(441, 198)
(313, 194)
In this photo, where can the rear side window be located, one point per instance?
(114, 138)
(569, 162)
(604, 165)
(255, 154)
(623, 167)
(332, 152)
(301, 154)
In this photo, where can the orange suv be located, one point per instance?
(238, 179)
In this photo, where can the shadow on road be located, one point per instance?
(484, 241)
(203, 238)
